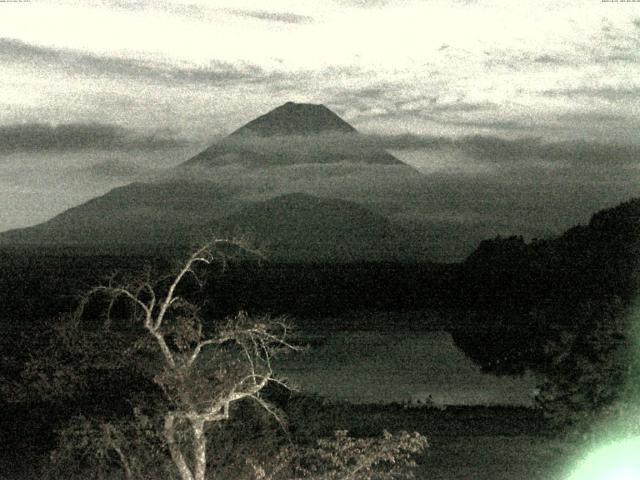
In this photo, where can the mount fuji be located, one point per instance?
(299, 179)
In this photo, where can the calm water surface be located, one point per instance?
(369, 366)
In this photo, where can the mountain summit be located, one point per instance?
(296, 119)
(293, 133)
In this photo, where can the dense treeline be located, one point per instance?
(518, 291)
(564, 307)
(37, 286)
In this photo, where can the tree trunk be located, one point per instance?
(174, 448)
(200, 449)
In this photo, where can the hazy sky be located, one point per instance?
(93, 92)
(563, 68)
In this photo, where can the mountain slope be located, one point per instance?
(286, 150)
(300, 227)
(139, 214)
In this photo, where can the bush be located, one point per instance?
(588, 363)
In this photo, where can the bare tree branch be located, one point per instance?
(197, 398)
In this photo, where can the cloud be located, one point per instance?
(484, 185)
(82, 63)
(368, 3)
(39, 137)
(280, 17)
(514, 59)
(455, 114)
(497, 150)
(180, 9)
(390, 101)
(608, 46)
(606, 92)
(492, 150)
(114, 169)
(461, 106)
(525, 186)
(550, 59)
(199, 11)
(389, 187)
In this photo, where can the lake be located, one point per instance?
(365, 366)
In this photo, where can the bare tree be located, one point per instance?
(203, 371)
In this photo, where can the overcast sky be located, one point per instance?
(116, 86)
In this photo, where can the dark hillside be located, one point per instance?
(516, 291)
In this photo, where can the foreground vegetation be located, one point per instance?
(122, 388)
(148, 388)
(480, 443)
